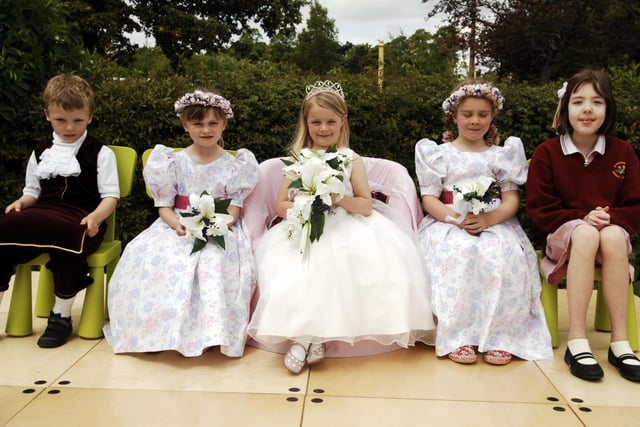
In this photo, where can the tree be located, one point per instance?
(102, 26)
(249, 46)
(541, 40)
(422, 52)
(281, 48)
(359, 58)
(317, 49)
(150, 62)
(466, 15)
(37, 40)
(184, 27)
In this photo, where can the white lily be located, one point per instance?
(313, 176)
(201, 221)
(219, 225)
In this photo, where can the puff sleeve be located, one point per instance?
(512, 166)
(430, 167)
(160, 176)
(243, 178)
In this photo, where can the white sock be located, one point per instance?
(581, 345)
(63, 306)
(1, 295)
(619, 348)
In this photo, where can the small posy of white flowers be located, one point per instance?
(315, 176)
(474, 196)
(206, 220)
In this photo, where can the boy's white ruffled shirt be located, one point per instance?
(60, 159)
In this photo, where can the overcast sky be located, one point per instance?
(368, 21)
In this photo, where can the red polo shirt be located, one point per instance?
(561, 188)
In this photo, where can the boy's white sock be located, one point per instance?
(619, 348)
(581, 345)
(63, 306)
(1, 295)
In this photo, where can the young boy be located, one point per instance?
(71, 188)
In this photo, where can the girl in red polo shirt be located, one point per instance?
(583, 197)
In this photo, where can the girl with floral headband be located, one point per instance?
(357, 289)
(481, 267)
(185, 283)
(583, 197)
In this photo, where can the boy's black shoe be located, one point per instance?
(57, 333)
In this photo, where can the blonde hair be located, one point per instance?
(330, 101)
(69, 91)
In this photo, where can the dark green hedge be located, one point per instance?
(266, 99)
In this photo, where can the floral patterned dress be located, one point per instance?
(363, 283)
(162, 297)
(486, 287)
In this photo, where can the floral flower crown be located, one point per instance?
(324, 86)
(199, 97)
(477, 90)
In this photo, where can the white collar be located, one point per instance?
(568, 147)
(60, 158)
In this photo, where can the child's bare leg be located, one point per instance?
(615, 282)
(585, 240)
(615, 279)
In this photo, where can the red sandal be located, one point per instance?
(497, 357)
(465, 355)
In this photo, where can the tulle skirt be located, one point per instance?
(364, 280)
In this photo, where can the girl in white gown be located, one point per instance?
(161, 295)
(481, 266)
(362, 280)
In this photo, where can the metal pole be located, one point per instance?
(380, 64)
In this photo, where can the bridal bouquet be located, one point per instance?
(475, 197)
(315, 176)
(206, 220)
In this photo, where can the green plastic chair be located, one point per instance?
(94, 311)
(549, 297)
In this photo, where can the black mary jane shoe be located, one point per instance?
(630, 372)
(580, 370)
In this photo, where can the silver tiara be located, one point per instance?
(325, 86)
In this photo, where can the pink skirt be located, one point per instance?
(554, 264)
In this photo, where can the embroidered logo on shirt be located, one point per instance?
(619, 170)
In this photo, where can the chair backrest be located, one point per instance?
(146, 153)
(126, 159)
(392, 179)
(145, 156)
(385, 176)
(259, 207)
